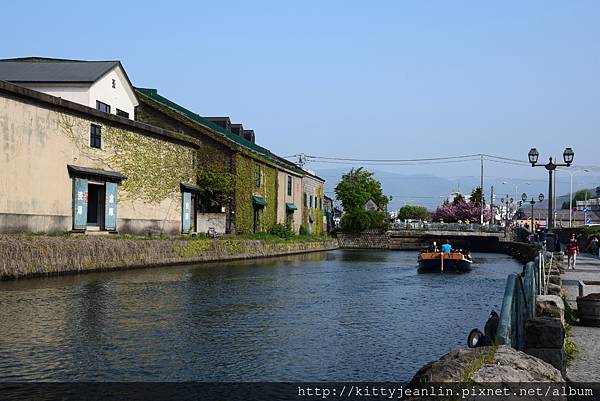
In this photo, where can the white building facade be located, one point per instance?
(102, 85)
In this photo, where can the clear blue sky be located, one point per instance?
(386, 79)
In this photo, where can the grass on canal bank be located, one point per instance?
(36, 254)
(267, 237)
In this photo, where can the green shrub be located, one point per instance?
(414, 212)
(570, 346)
(360, 220)
(590, 230)
(570, 313)
(303, 231)
(281, 231)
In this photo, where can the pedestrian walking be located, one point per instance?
(594, 245)
(572, 251)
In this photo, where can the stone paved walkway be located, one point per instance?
(586, 365)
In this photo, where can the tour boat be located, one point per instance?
(441, 261)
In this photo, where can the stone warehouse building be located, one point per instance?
(70, 167)
(78, 161)
(267, 188)
(313, 218)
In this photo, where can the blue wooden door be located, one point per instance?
(110, 208)
(186, 209)
(80, 203)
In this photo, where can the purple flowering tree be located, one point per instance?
(461, 210)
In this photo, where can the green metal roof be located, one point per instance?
(257, 200)
(291, 207)
(153, 94)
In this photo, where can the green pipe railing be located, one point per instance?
(518, 305)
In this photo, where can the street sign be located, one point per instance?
(588, 221)
(584, 210)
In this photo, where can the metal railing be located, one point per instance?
(518, 304)
(472, 227)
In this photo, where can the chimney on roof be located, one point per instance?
(223, 122)
(248, 134)
(237, 129)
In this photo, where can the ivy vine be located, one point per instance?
(154, 168)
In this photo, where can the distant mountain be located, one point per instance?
(430, 190)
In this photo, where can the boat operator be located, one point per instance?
(446, 248)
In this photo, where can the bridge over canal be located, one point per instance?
(418, 236)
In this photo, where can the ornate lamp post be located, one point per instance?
(532, 202)
(568, 156)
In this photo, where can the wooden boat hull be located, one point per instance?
(454, 261)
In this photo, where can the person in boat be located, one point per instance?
(466, 253)
(433, 247)
(446, 248)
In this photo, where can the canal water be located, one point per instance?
(330, 316)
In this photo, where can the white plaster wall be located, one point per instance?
(207, 220)
(78, 93)
(120, 97)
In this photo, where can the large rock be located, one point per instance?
(487, 368)
(544, 332)
(554, 289)
(550, 306)
(557, 357)
(555, 279)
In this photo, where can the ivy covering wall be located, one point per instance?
(245, 188)
(154, 168)
(316, 213)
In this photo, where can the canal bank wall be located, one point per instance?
(521, 251)
(371, 239)
(376, 239)
(22, 257)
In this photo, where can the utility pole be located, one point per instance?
(301, 160)
(481, 187)
(492, 215)
(585, 210)
(554, 198)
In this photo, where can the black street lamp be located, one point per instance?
(532, 202)
(568, 156)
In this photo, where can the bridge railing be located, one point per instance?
(518, 305)
(418, 225)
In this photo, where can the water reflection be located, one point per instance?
(341, 315)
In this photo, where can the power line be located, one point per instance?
(426, 160)
(395, 163)
(391, 160)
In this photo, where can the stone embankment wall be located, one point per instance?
(376, 239)
(372, 239)
(36, 256)
(521, 251)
